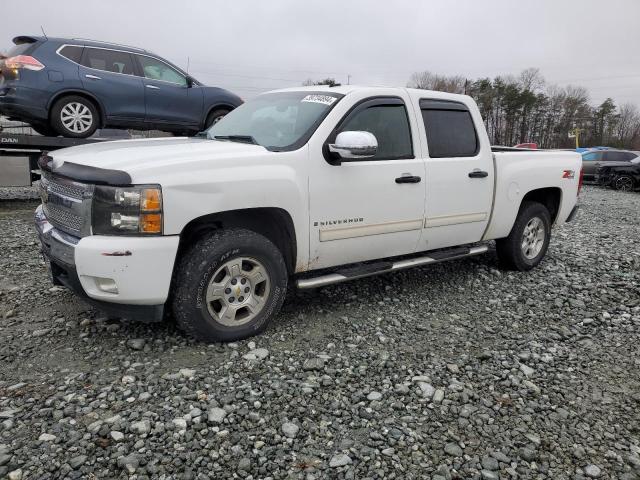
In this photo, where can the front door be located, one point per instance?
(110, 76)
(366, 209)
(168, 97)
(590, 163)
(459, 172)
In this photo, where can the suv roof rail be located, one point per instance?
(110, 43)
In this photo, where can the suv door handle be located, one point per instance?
(152, 87)
(478, 174)
(93, 77)
(408, 179)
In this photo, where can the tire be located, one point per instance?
(44, 130)
(200, 307)
(83, 126)
(533, 221)
(624, 183)
(214, 117)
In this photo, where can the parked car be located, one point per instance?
(314, 185)
(72, 87)
(623, 176)
(594, 159)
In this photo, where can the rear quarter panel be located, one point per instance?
(518, 173)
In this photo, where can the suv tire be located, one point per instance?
(623, 183)
(229, 285)
(75, 117)
(215, 116)
(528, 241)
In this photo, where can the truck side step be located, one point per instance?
(367, 270)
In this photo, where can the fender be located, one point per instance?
(84, 93)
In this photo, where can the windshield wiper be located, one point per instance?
(237, 138)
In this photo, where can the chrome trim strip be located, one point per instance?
(328, 235)
(445, 220)
(333, 278)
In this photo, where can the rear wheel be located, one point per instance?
(215, 116)
(623, 183)
(528, 241)
(74, 117)
(230, 284)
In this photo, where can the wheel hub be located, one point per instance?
(237, 291)
(76, 117)
(533, 238)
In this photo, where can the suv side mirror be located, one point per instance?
(355, 144)
(190, 81)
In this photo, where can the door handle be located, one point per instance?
(93, 77)
(152, 87)
(478, 174)
(408, 179)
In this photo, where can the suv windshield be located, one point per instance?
(277, 121)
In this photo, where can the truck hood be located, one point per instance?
(133, 156)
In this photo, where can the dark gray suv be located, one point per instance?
(71, 87)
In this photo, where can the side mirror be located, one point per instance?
(190, 81)
(356, 144)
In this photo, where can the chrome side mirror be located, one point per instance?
(356, 144)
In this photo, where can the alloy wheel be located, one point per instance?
(533, 238)
(76, 117)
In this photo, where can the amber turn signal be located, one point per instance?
(151, 223)
(151, 200)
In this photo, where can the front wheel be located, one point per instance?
(230, 284)
(214, 117)
(623, 183)
(528, 241)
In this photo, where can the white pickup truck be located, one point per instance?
(306, 186)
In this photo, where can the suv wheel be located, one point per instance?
(528, 241)
(74, 117)
(214, 117)
(623, 183)
(230, 284)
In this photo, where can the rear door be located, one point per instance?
(168, 97)
(591, 161)
(110, 76)
(459, 172)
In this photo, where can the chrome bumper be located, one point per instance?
(56, 245)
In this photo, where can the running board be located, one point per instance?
(368, 270)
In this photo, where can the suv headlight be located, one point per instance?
(127, 210)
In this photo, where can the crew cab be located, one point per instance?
(306, 187)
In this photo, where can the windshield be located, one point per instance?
(277, 121)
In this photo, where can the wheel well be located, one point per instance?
(79, 93)
(274, 223)
(224, 106)
(549, 197)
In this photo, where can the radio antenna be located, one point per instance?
(45, 35)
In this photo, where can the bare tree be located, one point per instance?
(442, 83)
(327, 81)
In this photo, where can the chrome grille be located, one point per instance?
(62, 217)
(67, 204)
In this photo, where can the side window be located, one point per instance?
(108, 60)
(450, 132)
(154, 69)
(592, 157)
(390, 125)
(617, 156)
(72, 53)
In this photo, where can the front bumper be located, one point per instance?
(136, 271)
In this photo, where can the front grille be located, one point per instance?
(62, 217)
(67, 204)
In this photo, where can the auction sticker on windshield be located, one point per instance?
(324, 99)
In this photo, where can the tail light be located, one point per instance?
(580, 180)
(23, 61)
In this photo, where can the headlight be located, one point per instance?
(127, 210)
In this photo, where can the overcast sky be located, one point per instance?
(255, 45)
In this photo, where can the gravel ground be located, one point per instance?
(455, 371)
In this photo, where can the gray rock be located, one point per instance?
(141, 428)
(136, 343)
(592, 471)
(314, 363)
(216, 415)
(290, 430)
(257, 354)
(77, 461)
(116, 436)
(373, 396)
(453, 449)
(339, 460)
(46, 437)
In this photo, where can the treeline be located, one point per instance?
(525, 109)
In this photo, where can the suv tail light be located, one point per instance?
(23, 61)
(580, 180)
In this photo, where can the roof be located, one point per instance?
(79, 41)
(346, 89)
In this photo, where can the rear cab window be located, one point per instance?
(450, 129)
